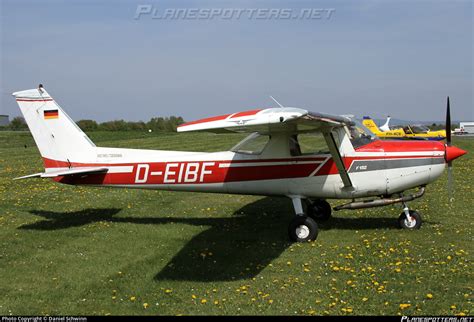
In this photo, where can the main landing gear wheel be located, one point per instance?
(303, 229)
(414, 222)
(319, 210)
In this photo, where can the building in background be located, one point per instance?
(4, 120)
(465, 128)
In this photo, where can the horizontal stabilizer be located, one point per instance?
(66, 172)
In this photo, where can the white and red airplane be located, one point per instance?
(271, 161)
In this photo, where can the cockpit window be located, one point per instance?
(307, 144)
(359, 134)
(252, 144)
(419, 129)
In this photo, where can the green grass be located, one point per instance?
(82, 250)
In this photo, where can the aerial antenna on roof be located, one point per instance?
(276, 101)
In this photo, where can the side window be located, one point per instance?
(253, 144)
(307, 144)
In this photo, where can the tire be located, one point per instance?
(405, 224)
(303, 229)
(319, 210)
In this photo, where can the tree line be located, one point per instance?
(163, 124)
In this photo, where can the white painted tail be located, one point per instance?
(385, 127)
(58, 138)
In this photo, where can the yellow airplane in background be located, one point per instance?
(414, 132)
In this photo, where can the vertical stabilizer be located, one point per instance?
(58, 138)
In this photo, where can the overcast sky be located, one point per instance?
(368, 58)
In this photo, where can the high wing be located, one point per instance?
(66, 172)
(266, 121)
(285, 119)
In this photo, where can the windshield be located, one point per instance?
(360, 135)
(419, 128)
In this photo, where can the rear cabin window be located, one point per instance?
(308, 144)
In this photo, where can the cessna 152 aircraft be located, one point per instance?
(270, 161)
(412, 132)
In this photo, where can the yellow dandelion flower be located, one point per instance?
(194, 296)
(145, 305)
(404, 306)
(429, 296)
(453, 307)
(216, 302)
(365, 299)
(203, 301)
(168, 291)
(270, 301)
(133, 298)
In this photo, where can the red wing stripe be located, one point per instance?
(209, 119)
(246, 113)
(221, 117)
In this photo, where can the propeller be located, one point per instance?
(451, 152)
(448, 144)
(448, 124)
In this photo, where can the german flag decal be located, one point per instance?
(51, 114)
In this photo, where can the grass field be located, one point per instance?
(80, 250)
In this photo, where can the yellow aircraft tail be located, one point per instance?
(370, 124)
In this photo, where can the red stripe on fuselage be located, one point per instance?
(402, 146)
(198, 172)
(33, 100)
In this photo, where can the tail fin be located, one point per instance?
(386, 126)
(370, 124)
(59, 140)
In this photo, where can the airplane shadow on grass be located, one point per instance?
(233, 248)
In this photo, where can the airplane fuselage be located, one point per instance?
(379, 168)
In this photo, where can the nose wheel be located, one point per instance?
(412, 220)
(301, 228)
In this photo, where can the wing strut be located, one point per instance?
(334, 149)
